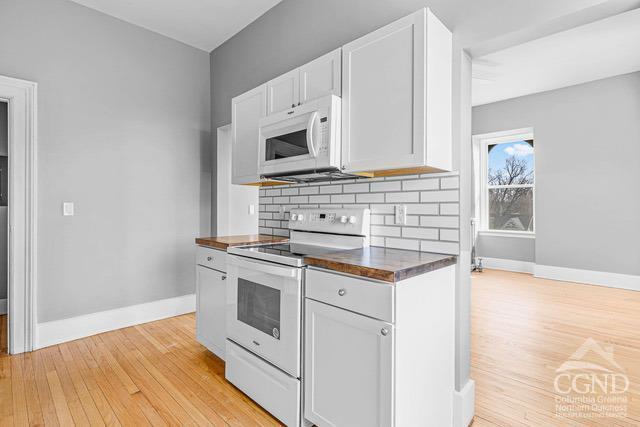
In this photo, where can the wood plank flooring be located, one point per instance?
(523, 329)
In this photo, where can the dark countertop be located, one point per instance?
(389, 265)
(223, 242)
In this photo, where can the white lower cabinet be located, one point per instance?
(348, 368)
(210, 309)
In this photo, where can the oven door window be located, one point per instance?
(259, 307)
(285, 146)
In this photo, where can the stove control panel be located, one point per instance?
(338, 221)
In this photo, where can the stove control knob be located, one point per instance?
(343, 219)
(300, 217)
(294, 217)
(352, 219)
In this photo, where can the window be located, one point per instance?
(507, 182)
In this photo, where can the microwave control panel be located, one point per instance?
(324, 136)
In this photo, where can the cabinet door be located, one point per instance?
(210, 309)
(348, 368)
(246, 111)
(383, 97)
(284, 92)
(321, 77)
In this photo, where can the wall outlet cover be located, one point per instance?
(401, 214)
(67, 209)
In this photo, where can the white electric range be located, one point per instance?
(264, 306)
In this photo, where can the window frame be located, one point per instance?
(482, 143)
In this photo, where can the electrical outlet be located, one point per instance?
(401, 214)
(252, 209)
(281, 210)
(67, 209)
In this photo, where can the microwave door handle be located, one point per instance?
(310, 142)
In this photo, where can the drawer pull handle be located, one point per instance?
(342, 292)
(384, 331)
(209, 258)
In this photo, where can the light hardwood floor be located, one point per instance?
(522, 330)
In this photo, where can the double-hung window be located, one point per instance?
(506, 182)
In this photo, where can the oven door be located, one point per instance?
(264, 310)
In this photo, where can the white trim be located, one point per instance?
(589, 277)
(464, 405)
(508, 264)
(22, 248)
(3, 306)
(59, 331)
(507, 233)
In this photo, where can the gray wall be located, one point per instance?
(124, 126)
(587, 170)
(515, 248)
(4, 119)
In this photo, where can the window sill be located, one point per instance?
(519, 234)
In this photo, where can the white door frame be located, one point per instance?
(22, 98)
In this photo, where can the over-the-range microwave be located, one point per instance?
(302, 143)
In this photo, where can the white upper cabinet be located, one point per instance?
(284, 92)
(321, 77)
(396, 97)
(246, 111)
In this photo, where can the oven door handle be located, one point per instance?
(311, 145)
(264, 267)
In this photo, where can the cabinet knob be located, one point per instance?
(384, 331)
(293, 105)
(209, 258)
(299, 103)
(224, 277)
(341, 292)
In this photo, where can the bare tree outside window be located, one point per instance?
(510, 186)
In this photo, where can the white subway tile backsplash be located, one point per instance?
(428, 209)
(420, 233)
(412, 245)
(450, 235)
(299, 199)
(309, 190)
(343, 198)
(370, 198)
(448, 183)
(379, 230)
(319, 199)
(402, 197)
(440, 247)
(386, 186)
(449, 209)
(421, 184)
(439, 196)
(331, 189)
(439, 221)
(356, 188)
(432, 208)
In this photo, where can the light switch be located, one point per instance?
(252, 209)
(401, 214)
(67, 209)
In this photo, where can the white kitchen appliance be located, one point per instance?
(302, 143)
(264, 306)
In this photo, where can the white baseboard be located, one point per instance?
(3, 306)
(464, 405)
(59, 331)
(590, 277)
(508, 264)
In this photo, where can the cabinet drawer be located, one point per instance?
(211, 258)
(367, 297)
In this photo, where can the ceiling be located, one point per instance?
(593, 51)
(204, 24)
